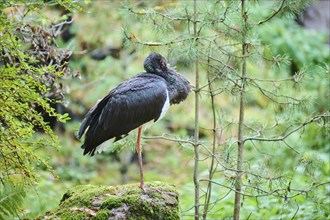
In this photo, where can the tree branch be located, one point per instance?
(284, 136)
(273, 15)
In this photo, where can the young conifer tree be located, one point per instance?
(258, 109)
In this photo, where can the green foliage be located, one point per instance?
(301, 45)
(285, 179)
(31, 65)
(11, 199)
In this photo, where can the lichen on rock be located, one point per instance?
(160, 201)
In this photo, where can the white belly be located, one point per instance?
(166, 106)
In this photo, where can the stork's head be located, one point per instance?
(155, 63)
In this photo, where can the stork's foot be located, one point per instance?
(142, 186)
(145, 187)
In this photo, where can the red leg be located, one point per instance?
(139, 149)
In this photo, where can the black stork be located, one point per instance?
(143, 98)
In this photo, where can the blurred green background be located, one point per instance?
(104, 57)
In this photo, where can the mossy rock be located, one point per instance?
(160, 201)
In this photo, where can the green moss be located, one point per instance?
(112, 202)
(102, 214)
(121, 202)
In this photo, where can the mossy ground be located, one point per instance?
(160, 201)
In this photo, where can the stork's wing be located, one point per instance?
(130, 105)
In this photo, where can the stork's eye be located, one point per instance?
(163, 63)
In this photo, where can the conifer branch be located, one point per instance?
(285, 135)
(280, 192)
(213, 166)
(270, 95)
(273, 15)
(159, 14)
(135, 40)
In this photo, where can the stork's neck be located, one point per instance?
(178, 87)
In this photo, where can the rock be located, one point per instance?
(118, 202)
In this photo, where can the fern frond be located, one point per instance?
(11, 199)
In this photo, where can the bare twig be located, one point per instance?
(216, 157)
(59, 27)
(281, 192)
(212, 168)
(170, 139)
(135, 40)
(160, 14)
(273, 15)
(287, 134)
(270, 96)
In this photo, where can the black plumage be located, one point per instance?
(132, 103)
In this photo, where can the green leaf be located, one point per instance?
(11, 199)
